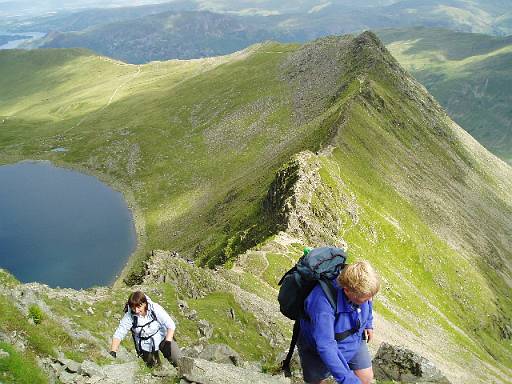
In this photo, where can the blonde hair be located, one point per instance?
(360, 278)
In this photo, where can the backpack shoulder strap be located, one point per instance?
(286, 362)
(330, 292)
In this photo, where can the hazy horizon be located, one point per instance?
(27, 8)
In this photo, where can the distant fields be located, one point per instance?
(469, 74)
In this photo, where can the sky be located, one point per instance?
(12, 8)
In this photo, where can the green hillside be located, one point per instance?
(156, 129)
(361, 151)
(469, 74)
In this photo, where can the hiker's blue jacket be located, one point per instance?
(322, 323)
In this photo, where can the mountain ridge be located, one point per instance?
(361, 151)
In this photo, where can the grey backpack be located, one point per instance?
(318, 266)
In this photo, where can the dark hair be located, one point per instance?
(135, 299)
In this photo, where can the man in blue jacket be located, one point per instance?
(333, 342)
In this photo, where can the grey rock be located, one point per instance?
(205, 329)
(4, 354)
(183, 305)
(120, 373)
(90, 368)
(56, 367)
(98, 380)
(405, 366)
(220, 353)
(83, 380)
(70, 365)
(67, 378)
(191, 314)
(165, 370)
(193, 351)
(251, 366)
(207, 372)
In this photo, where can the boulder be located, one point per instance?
(205, 329)
(3, 354)
(67, 377)
(193, 350)
(405, 366)
(120, 373)
(191, 314)
(70, 365)
(89, 368)
(207, 372)
(165, 371)
(220, 353)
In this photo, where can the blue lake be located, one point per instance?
(61, 227)
(17, 42)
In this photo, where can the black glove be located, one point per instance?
(113, 354)
(166, 348)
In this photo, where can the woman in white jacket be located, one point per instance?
(152, 330)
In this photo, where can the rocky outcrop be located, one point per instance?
(306, 207)
(403, 365)
(170, 267)
(314, 72)
(220, 353)
(71, 372)
(290, 193)
(206, 372)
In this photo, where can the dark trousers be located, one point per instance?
(171, 352)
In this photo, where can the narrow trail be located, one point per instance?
(131, 78)
(122, 85)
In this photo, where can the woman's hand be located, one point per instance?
(114, 347)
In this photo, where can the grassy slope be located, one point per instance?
(409, 169)
(468, 73)
(80, 324)
(194, 141)
(410, 191)
(417, 158)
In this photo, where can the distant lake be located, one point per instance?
(16, 42)
(61, 227)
